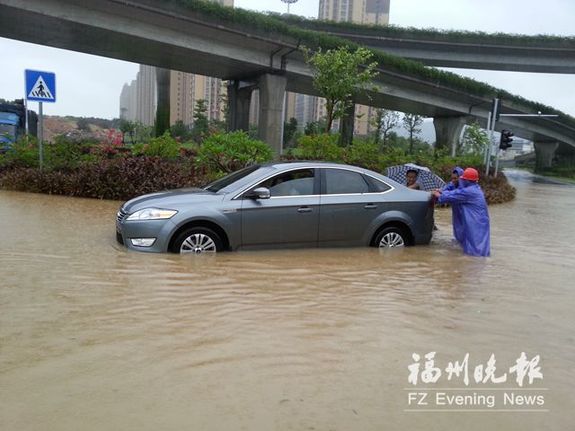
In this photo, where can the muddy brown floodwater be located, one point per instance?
(93, 337)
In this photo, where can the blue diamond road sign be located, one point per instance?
(40, 86)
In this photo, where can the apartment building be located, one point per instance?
(138, 99)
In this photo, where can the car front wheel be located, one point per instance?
(197, 240)
(391, 237)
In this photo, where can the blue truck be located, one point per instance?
(13, 123)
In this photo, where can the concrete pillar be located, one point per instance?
(346, 126)
(271, 119)
(544, 153)
(239, 98)
(163, 77)
(448, 131)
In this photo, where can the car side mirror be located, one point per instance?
(259, 193)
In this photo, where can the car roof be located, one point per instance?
(309, 164)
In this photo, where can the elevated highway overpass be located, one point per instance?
(464, 50)
(173, 37)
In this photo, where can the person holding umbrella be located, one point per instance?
(475, 236)
(415, 177)
(411, 179)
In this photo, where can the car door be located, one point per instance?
(290, 217)
(348, 206)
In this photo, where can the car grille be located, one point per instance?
(121, 215)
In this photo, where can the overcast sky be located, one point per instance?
(90, 86)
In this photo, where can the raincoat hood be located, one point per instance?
(457, 170)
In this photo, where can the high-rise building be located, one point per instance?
(359, 11)
(138, 99)
(128, 102)
(146, 91)
(186, 89)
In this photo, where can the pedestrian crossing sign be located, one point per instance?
(40, 86)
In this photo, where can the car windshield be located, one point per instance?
(217, 185)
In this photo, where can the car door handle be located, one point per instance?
(370, 206)
(304, 210)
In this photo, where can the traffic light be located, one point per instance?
(506, 138)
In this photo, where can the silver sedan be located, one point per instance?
(298, 204)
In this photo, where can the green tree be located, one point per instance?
(127, 128)
(314, 128)
(290, 128)
(384, 122)
(201, 125)
(228, 152)
(318, 147)
(142, 133)
(180, 130)
(474, 140)
(412, 123)
(339, 75)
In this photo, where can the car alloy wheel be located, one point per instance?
(390, 237)
(197, 241)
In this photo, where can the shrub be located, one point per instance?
(393, 156)
(163, 146)
(363, 152)
(64, 153)
(119, 179)
(23, 153)
(228, 152)
(319, 147)
(497, 190)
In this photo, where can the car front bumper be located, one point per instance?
(161, 230)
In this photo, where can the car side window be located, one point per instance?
(340, 181)
(293, 183)
(376, 186)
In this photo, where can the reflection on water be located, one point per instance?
(95, 337)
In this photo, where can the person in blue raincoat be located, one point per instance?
(475, 237)
(456, 216)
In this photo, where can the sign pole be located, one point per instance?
(26, 115)
(40, 134)
(40, 87)
(486, 152)
(491, 132)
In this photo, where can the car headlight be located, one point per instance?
(152, 214)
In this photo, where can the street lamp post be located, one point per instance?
(289, 2)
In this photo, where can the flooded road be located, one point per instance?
(93, 337)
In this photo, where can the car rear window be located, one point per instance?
(376, 186)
